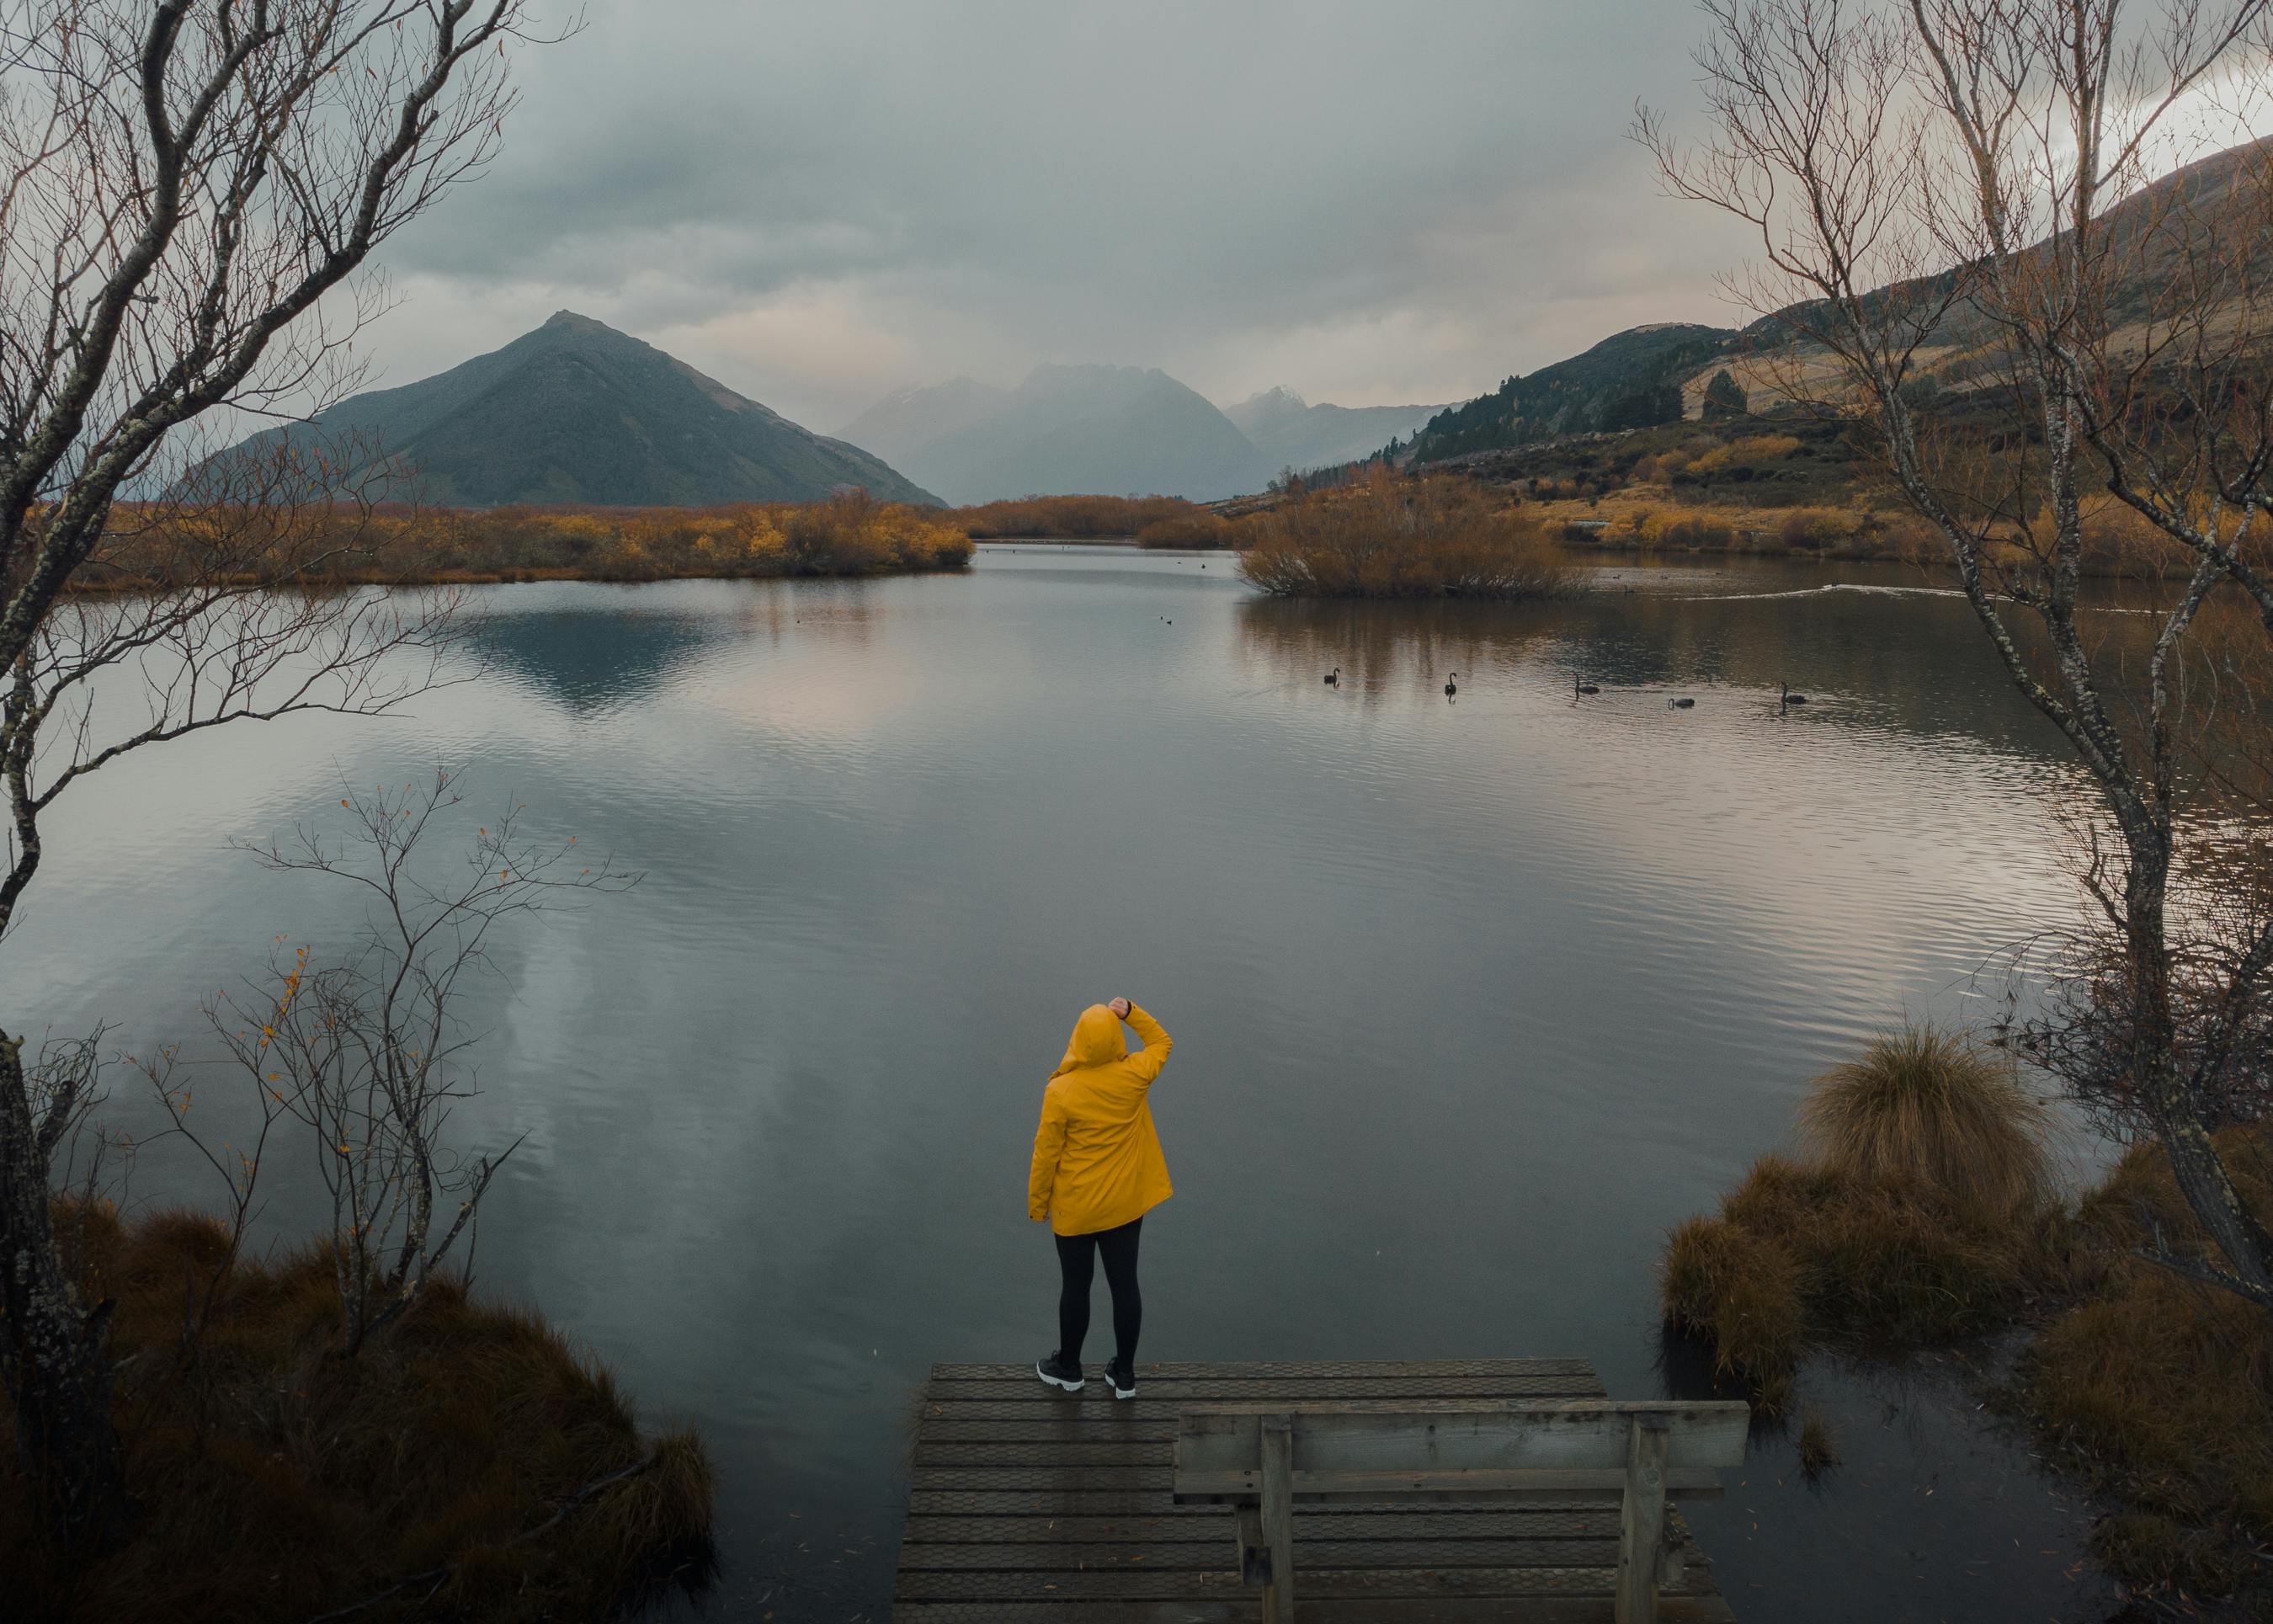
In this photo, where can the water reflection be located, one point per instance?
(1470, 1001)
(588, 659)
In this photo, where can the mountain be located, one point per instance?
(1630, 380)
(1066, 430)
(1290, 433)
(578, 412)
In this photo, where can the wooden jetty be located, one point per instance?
(1029, 1505)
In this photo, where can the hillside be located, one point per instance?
(1290, 433)
(575, 411)
(1629, 380)
(1065, 430)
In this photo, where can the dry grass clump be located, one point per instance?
(1741, 1290)
(1934, 1106)
(1751, 451)
(1388, 537)
(1070, 518)
(1818, 1445)
(1812, 530)
(277, 1480)
(2160, 1390)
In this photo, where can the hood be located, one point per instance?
(1096, 1041)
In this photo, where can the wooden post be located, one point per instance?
(1279, 1517)
(1254, 1556)
(1642, 1528)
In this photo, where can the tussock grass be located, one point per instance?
(278, 1481)
(1936, 1105)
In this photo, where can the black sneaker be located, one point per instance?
(1060, 1371)
(1124, 1382)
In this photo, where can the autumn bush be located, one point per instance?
(850, 535)
(276, 1480)
(1813, 529)
(1390, 536)
(1071, 518)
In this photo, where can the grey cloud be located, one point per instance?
(980, 183)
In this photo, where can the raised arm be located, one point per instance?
(1049, 1139)
(1157, 1043)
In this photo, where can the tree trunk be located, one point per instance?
(52, 1352)
(2199, 1170)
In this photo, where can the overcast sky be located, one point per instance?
(818, 203)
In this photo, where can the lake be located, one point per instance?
(1471, 998)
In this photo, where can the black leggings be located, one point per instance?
(1077, 1255)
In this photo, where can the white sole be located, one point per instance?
(1063, 1386)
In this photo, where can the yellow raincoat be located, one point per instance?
(1097, 1159)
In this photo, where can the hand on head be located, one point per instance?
(1119, 1006)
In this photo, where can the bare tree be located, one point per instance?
(184, 186)
(369, 1053)
(1964, 185)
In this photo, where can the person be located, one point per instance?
(1098, 1170)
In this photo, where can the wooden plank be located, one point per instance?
(1160, 1523)
(1600, 1551)
(1043, 1480)
(1130, 1417)
(1575, 1484)
(1079, 1449)
(1364, 1436)
(1373, 1610)
(1008, 1494)
(1305, 1389)
(1221, 1582)
(1305, 1369)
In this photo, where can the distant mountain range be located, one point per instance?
(1292, 433)
(578, 412)
(1113, 431)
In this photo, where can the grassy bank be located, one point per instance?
(1386, 537)
(276, 1480)
(1920, 1213)
(851, 535)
